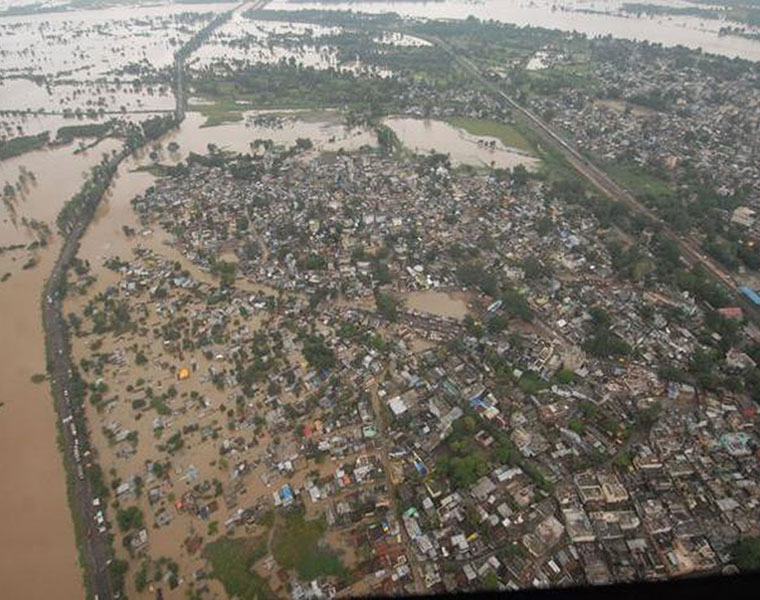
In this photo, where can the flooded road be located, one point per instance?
(423, 135)
(38, 534)
(583, 16)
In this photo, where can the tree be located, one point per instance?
(491, 581)
(746, 554)
(130, 518)
(602, 341)
(465, 471)
(387, 306)
(544, 225)
(304, 144)
(534, 268)
(576, 425)
(317, 354)
(226, 272)
(520, 175)
(473, 328)
(497, 323)
(565, 376)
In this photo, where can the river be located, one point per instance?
(565, 15)
(38, 557)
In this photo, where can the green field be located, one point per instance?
(638, 181)
(505, 132)
(232, 560)
(221, 111)
(295, 545)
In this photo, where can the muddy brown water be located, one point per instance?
(38, 534)
(441, 304)
(424, 135)
(104, 239)
(38, 557)
(567, 15)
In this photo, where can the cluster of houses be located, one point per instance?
(671, 111)
(492, 451)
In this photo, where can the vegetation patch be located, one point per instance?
(25, 143)
(639, 181)
(505, 132)
(70, 132)
(221, 110)
(296, 545)
(232, 561)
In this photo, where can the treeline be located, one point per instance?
(25, 143)
(387, 139)
(739, 13)
(82, 205)
(639, 8)
(287, 84)
(365, 47)
(492, 38)
(137, 135)
(68, 133)
(332, 18)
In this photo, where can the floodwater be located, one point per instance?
(104, 239)
(35, 521)
(324, 129)
(566, 15)
(422, 135)
(249, 41)
(43, 200)
(32, 124)
(441, 304)
(37, 531)
(90, 43)
(111, 97)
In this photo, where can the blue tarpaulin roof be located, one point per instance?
(750, 293)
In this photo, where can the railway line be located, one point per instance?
(605, 184)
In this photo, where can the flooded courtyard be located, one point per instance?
(442, 304)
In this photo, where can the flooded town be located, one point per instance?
(338, 299)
